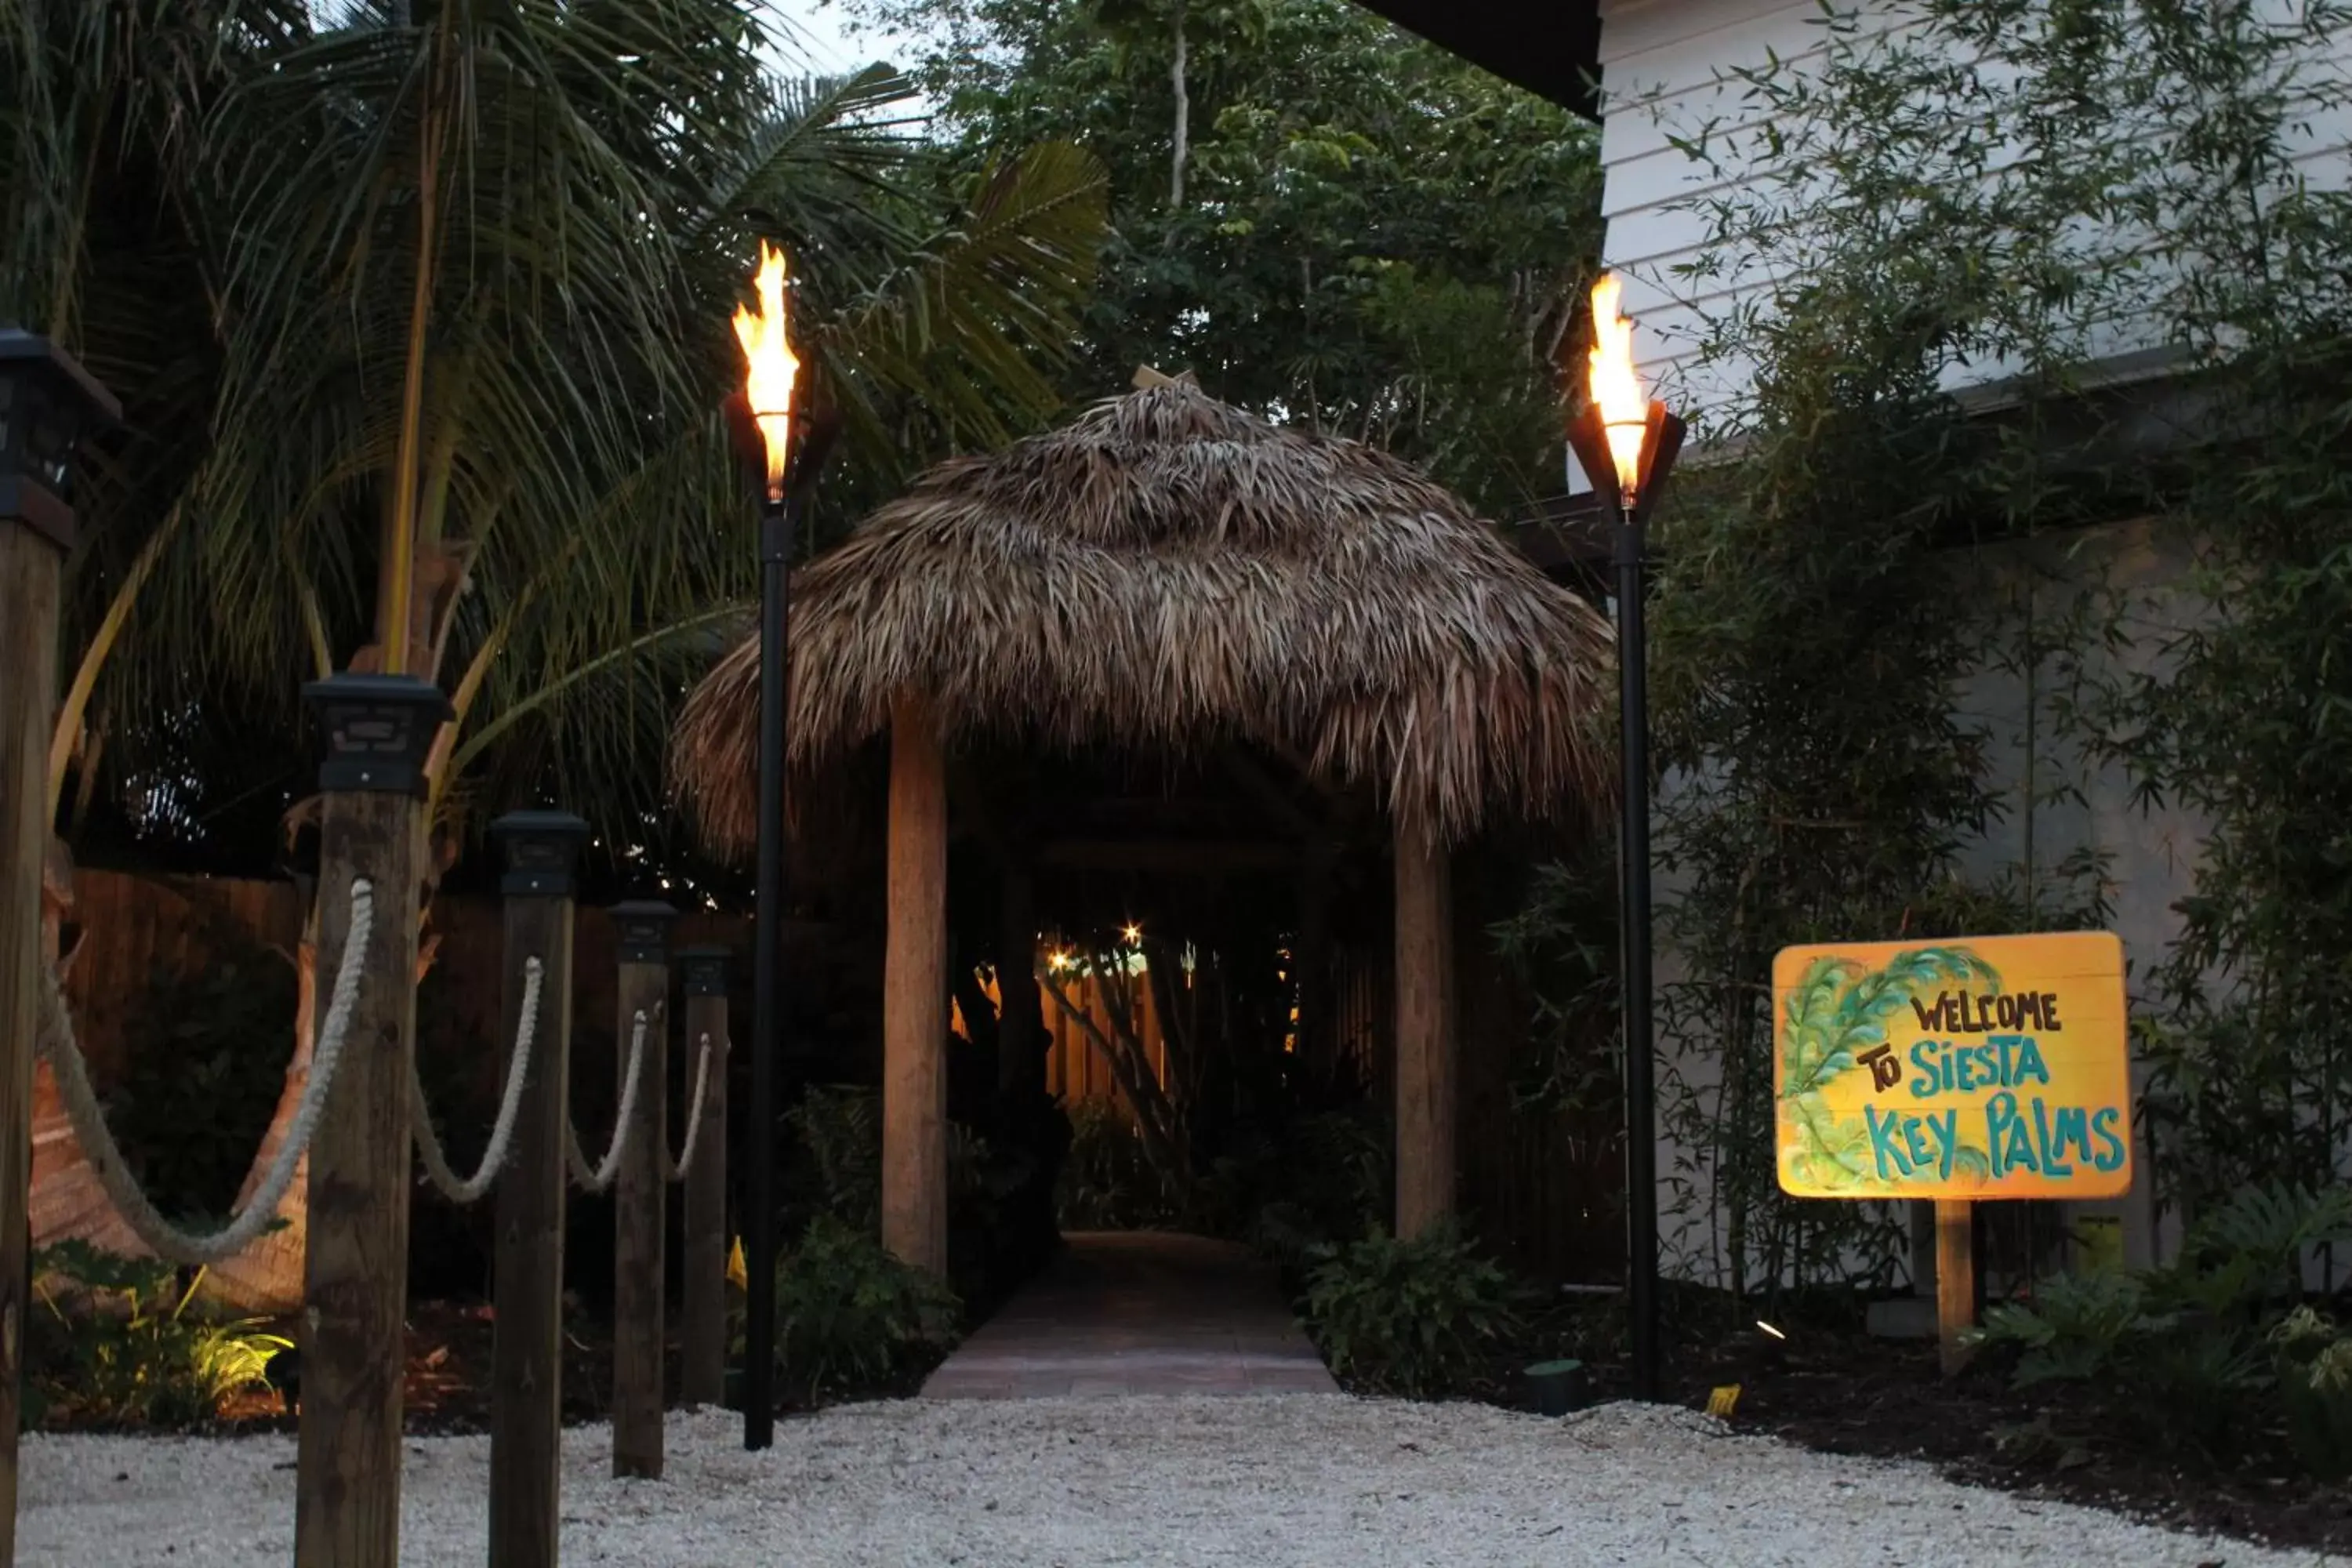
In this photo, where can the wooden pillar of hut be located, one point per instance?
(914, 996)
(1424, 1033)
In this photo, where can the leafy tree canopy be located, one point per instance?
(1326, 220)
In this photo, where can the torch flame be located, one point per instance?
(769, 365)
(1624, 407)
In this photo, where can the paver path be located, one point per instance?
(1139, 1312)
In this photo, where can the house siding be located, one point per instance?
(1664, 65)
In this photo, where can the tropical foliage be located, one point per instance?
(1326, 220)
(418, 310)
(121, 1342)
(853, 1321)
(2218, 1339)
(1826, 630)
(1419, 1318)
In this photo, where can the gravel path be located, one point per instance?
(1251, 1481)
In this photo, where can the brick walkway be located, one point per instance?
(1138, 1312)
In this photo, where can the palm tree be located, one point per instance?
(470, 263)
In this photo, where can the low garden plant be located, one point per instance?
(2220, 1340)
(125, 1342)
(851, 1320)
(1419, 1318)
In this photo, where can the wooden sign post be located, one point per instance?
(1960, 1071)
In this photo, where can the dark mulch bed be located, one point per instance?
(1842, 1391)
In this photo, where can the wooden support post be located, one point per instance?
(702, 1330)
(48, 403)
(355, 1269)
(1425, 1034)
(914, 998)
(29, 566)
(643, 930)
(527, 1344)
(1956, 1280)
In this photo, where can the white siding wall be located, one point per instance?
(2151, 857)
(1663, 70)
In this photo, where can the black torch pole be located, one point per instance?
(777, 520)
(1634, 889)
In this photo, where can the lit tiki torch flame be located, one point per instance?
(1616, 389)
(770, 366)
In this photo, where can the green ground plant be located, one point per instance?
(852, 1322)
(1419, 1318)
(2221, 1338)
(1108, 1181)
(122, 1342)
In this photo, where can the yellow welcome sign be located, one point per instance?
(1982, 1068)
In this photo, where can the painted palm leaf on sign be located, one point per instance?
(1837, 1011)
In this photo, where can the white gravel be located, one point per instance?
(1249, 1481)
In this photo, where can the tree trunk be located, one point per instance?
(1183, 118)
(67, 1199)
(266, 1277)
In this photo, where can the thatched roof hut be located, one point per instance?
(1167, 571)
(1167, 575)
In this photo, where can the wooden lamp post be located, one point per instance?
(48, 404)
(1627, 443)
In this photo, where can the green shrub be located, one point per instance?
(2314, 1367)
(2207, 1337)
(851, 1320)
(1332, 1181)
(1107, 1182)
(219, 1039)
(2074, 1328)
(837, 1153)
(120, 1343)
(1418, 1318)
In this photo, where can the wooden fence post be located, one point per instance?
(46, 403)
(643, 929)
(542, 850)
(29, 566)
(356, 1270)
(702, 1328)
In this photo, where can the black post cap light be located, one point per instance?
(705, 969)
(378, 731)
(542, 853)
(642, 927)
(48, 403)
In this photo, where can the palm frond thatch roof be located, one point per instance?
(1168, 573)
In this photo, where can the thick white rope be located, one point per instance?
(599, 1177)
(676, 1170)
(466, 1190)
(58, 1046)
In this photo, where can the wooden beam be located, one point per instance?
(355, 1266)
(527, 1344)
(638, 1199)
(702, 1328)
(1425, 1034)
(913, 996)
(29, 574)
